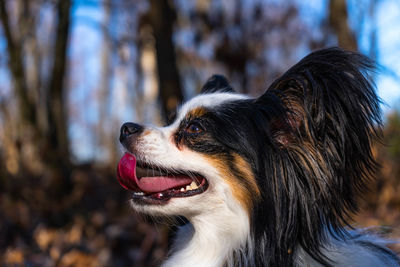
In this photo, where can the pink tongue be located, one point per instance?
(127, 178)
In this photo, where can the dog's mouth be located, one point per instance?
(155, 184)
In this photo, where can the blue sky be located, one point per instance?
(388, 25)
(86, 44)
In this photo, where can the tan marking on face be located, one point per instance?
(246, 195)
(197, 112)
(245, 168)
(147, 132)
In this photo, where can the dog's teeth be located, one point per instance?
(182, 189)
(139, 193)
(193, 185)
(188, 187)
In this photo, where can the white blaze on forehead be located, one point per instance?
(208, 101)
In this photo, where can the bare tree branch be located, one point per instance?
(26, 107)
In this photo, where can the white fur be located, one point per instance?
(207, 100)
(214, 236)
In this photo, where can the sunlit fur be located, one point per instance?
(284, 169)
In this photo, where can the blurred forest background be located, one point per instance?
(72, 71)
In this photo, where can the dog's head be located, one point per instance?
(199, 161)
(293, 160)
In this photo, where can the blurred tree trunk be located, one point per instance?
(23, 133)
(41, 129)
(105, 137)
(162, 17)
(15, 62)
(338, 20)
(57, 118)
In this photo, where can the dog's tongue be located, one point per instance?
(128, 179)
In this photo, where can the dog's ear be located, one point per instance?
(329, 96)
(323, 115)
(216, 84)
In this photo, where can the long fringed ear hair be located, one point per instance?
(328, 116)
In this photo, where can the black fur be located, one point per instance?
(308, 142)
(216, 83)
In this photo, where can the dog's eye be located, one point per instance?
(194, 128)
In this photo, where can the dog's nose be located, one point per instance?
(128, 129)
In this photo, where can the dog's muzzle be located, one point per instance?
(128, 129)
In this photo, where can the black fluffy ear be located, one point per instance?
(331, 95)
(323, 115)
(216, 84)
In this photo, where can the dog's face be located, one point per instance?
(192, 165)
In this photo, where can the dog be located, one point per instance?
(266, 181)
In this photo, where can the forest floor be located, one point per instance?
(93, 225)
